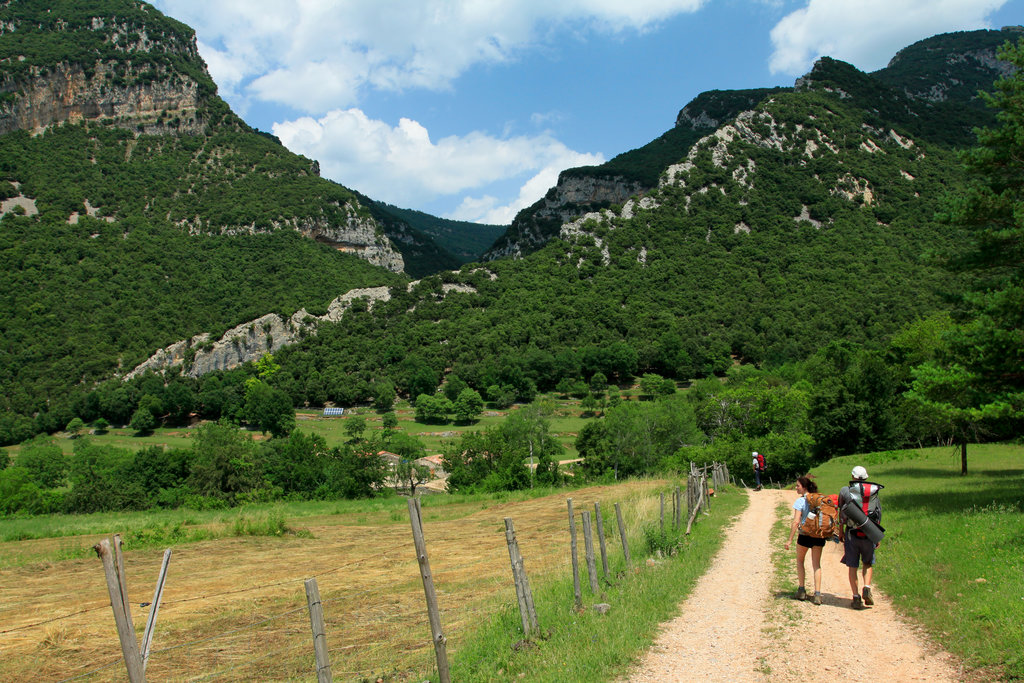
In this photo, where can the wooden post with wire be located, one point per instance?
(154, 609)
(588, 544)
(622, 535)
(600, 538)
(122, 614)
(577, 592)
(524, 595)
(437, 635)
(316, 623)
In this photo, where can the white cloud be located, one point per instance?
(319, 54)
(403, 166)
(867, 33)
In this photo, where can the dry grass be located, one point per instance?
(235, 610)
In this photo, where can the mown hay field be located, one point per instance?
(235, 609)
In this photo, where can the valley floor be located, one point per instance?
(741, 622)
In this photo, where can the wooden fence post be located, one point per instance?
(696, 509)
(316, 623)
(122, 617)
(523, 593)
(707, 494)
(577, 592)
(600, 538)
(678, 520)
(588, 544)
(154, 608)
(661, 511)
(622, 535)
(437, 635)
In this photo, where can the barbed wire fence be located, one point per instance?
(357, 635)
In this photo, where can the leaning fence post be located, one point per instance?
(154, 608)
(428, 589)
(523, 593)
(622, 535)
(316, 623)
(577, 592)
(122, 617)
(588, 542)
(600, 538)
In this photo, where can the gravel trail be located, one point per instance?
(737, 626)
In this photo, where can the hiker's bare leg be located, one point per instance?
(816, 567)
(868, 574)
(801, 553)
(853, 581)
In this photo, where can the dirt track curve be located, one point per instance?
(738, 626)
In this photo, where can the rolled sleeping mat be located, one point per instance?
(874, 532)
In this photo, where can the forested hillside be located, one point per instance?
(137, 209)
(782, 222)
(929, 88)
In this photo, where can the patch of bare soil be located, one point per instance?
(737, 626)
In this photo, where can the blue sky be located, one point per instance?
(468, 109)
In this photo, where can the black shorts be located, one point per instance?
(810, 541)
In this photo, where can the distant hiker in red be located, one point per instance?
(758, 462)
(804, 543)
(856, 545)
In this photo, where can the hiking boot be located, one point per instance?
(801, 594)
(817, 599)
(868, 600)
(857, 604)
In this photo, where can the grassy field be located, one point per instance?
(565, 425)
(234, 606)
(953, 555)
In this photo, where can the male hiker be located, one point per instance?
(758, 462)
(856, 544)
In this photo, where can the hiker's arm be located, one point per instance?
(793, 527)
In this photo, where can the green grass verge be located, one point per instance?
(587, 646)
(953, 555)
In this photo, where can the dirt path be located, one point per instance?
(738, 626)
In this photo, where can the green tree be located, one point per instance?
(44, 460)
(355, 425)
(224, 461)
(977, 383)
(75, 427)
(468, 405)
(432, 409)
(143, 420)
(268, 409)
(383, 394)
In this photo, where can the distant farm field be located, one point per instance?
(234, 608)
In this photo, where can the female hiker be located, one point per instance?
(805, 543)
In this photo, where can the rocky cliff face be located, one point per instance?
(67, 93)
(123, 65)
(571, 197)
(250, 341)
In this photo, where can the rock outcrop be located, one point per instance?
(250, 341)
(571, 197)
(67, 94)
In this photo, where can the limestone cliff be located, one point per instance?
(571, 197)
(250, 341)
(124, 66)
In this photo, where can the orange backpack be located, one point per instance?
(822, 519)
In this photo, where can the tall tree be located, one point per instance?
(977, 384)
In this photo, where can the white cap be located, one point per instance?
(754, 453)
(859, 473)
